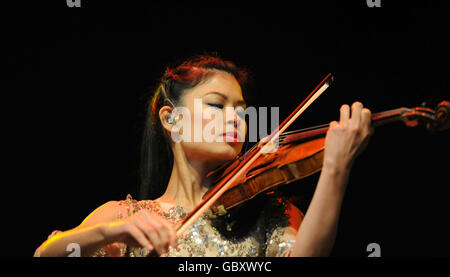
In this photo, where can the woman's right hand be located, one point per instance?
(142, 229)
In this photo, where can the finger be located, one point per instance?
(139, 236)
(344, 114)
(170, 232)
(151, 233)
(156, 224)
(162, 234)
(334, 124)
(166, 230)
(356, 114)
(366, 118)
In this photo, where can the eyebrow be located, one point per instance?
(240, 102)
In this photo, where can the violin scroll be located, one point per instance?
(443, 116)
(434, 120)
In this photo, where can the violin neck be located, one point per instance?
(378, 119)
(390, 116)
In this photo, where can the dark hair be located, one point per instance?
(156, 155)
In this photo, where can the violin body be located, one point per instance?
(288, 164)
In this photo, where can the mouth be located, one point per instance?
(231, 136)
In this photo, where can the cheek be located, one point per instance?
(212, 125)
(243, 128)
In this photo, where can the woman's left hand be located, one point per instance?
(346, 139)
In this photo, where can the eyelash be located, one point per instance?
(220, 106)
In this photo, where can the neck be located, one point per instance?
(187, 183)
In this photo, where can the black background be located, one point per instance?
(74, 81)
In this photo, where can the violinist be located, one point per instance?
(173, 182)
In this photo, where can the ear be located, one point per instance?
(164, 114)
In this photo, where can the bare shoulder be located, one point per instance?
(109, 211)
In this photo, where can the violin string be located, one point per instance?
(285, 134)
(375, 117)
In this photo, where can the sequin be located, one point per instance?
(204, 240)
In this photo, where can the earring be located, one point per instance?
(171, 120)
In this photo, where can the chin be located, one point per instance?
(224, 151)
(216, 151)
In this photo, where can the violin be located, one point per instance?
(299, 154)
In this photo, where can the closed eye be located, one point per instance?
(219, 106)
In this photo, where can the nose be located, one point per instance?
(233, 118)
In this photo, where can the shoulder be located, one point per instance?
(106, 212)
(130, 206)
(113, 210)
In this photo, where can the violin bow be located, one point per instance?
(263, 147)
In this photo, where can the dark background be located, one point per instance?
(75, 80)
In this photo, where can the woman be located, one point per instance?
(275, 228)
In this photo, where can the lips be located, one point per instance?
(231, 136)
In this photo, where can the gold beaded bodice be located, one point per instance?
(267, 237)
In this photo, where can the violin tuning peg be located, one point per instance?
(443, 115)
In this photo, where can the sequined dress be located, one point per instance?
(268, 237)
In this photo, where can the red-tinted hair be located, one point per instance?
(156, 154)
